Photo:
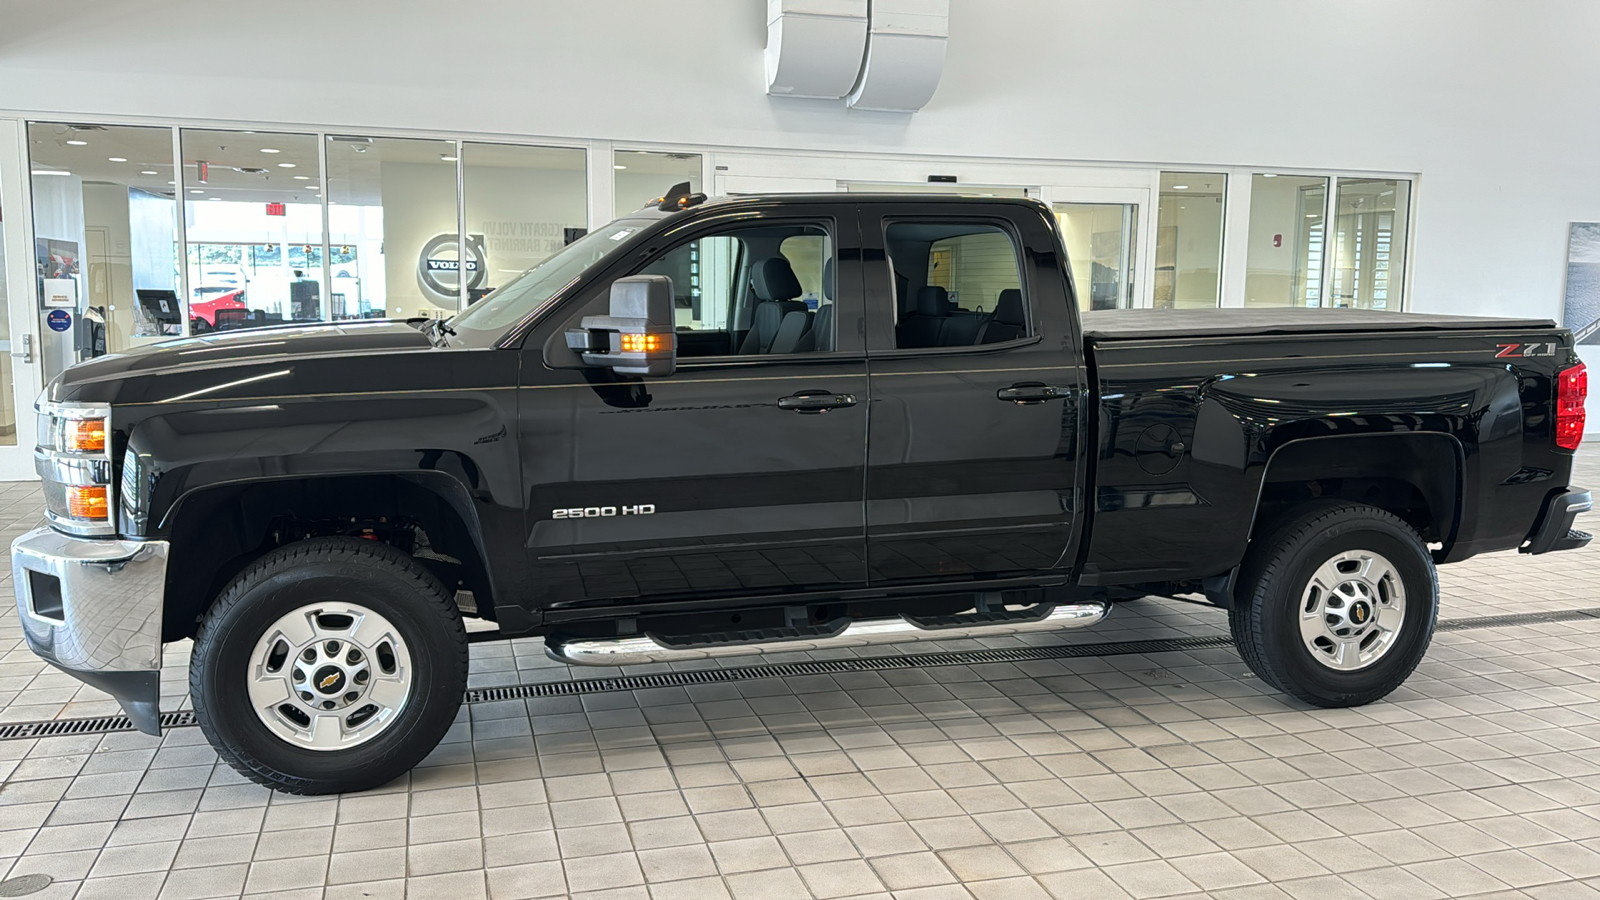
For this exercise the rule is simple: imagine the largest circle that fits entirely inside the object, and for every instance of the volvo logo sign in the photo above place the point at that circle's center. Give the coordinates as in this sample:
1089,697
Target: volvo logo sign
439,268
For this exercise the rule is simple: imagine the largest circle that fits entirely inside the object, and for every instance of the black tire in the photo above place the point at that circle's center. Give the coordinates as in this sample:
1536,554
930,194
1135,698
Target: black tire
1265,618
381,579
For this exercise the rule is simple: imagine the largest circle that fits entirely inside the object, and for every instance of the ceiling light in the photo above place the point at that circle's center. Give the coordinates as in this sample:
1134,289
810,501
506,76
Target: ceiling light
1269,175
447,158
78,143
150,172
285,165
1180,187
50,172
196,191
115,159
302,178
1311,215
213,198
270,150
619,167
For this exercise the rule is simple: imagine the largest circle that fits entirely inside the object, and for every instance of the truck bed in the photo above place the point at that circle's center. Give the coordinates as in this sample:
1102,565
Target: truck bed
1146,324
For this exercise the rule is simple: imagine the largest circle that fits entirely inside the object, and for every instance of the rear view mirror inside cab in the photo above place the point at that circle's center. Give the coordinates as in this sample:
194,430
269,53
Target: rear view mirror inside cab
637,337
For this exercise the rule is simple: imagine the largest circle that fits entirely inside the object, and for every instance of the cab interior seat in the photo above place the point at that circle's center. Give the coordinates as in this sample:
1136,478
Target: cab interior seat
821,337
924,325
777,291
1008,322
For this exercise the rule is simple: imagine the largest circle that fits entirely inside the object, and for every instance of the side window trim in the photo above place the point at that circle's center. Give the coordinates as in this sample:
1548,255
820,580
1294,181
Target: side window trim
1024,282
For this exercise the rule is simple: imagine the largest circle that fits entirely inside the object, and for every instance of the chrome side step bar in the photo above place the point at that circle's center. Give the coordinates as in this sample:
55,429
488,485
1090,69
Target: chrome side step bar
647,648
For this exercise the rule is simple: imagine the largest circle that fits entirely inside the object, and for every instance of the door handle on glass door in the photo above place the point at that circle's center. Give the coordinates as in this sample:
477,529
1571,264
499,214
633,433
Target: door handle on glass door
816,401
1032,393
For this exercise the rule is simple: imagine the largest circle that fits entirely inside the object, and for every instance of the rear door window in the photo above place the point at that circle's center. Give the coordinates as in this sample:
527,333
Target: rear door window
956,284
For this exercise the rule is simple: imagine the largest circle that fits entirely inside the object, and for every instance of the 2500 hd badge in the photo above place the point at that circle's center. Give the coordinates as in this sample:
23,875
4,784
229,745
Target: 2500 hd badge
596,512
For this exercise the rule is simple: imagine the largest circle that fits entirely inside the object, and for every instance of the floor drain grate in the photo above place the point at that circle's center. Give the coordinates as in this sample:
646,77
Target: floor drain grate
837,667
1512,619
95,725
186,718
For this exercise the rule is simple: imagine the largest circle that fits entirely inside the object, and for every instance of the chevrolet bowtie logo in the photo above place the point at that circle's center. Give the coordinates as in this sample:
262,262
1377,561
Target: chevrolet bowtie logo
328,682
1360,615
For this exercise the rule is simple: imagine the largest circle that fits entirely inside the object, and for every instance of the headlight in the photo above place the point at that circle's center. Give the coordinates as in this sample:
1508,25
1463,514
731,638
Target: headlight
74,462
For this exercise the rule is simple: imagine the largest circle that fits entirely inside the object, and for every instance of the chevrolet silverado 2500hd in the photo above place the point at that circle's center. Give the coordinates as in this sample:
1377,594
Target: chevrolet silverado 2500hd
804,421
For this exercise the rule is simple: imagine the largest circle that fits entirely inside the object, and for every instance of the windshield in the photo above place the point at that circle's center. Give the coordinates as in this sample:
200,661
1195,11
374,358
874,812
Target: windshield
531,290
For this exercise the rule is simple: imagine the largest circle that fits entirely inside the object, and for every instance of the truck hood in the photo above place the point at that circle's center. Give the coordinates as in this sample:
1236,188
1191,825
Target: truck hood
255,345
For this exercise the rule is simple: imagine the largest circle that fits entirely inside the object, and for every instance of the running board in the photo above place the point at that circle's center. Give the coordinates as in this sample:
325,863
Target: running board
627,651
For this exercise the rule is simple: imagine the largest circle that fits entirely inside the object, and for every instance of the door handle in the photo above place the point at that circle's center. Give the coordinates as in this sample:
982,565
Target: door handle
1031,393
816,401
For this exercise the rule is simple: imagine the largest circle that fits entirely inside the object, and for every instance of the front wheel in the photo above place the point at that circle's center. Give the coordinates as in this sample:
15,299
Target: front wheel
329,665
1337,606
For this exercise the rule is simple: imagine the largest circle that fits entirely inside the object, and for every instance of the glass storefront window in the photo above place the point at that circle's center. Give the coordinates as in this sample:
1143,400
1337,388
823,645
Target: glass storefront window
1369,243
640,176
253,221
391,227
1189,240
1101,240
1284,265
105,238
522,205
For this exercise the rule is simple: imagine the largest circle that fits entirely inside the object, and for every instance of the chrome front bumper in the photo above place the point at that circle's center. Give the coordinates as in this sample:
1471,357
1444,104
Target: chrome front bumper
92,607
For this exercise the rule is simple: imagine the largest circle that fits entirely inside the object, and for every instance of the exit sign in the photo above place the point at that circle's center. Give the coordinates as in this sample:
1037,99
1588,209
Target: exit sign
274,209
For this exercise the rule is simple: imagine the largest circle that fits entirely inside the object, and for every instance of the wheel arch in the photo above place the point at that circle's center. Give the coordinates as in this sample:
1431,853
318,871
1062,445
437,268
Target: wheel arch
217,530
1415,475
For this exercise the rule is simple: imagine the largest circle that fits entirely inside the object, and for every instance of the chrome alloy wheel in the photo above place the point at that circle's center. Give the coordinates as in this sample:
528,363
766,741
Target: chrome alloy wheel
1352,610
329,676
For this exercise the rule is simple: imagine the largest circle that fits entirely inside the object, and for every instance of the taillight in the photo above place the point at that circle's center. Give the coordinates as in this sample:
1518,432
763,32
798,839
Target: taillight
1572,388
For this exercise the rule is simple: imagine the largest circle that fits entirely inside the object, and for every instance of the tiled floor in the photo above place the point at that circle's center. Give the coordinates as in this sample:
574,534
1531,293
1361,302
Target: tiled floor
1170,775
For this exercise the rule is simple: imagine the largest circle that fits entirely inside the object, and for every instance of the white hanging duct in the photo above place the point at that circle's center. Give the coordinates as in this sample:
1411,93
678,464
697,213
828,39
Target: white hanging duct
905,55
814,47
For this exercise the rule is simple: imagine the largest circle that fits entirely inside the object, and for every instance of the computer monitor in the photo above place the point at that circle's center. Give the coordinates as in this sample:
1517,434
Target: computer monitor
161,306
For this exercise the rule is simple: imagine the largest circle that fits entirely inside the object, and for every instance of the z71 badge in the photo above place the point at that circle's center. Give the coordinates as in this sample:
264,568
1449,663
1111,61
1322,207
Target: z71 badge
599,512
1518,351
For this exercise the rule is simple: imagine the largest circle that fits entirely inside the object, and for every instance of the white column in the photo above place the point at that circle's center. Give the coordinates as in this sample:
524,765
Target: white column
602,184
1235,237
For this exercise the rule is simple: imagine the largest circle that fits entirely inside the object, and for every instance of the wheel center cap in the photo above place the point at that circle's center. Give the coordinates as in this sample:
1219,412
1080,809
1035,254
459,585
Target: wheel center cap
1360,612
328,680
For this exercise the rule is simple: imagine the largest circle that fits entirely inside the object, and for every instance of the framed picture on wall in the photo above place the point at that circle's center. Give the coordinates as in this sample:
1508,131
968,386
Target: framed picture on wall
1581,310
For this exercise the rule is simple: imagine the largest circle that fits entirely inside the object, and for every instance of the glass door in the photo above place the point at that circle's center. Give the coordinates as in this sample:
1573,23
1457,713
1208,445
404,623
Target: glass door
19,300
1102,229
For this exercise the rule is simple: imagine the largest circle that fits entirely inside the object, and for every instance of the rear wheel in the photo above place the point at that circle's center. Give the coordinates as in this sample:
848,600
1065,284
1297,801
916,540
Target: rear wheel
1337,605
329,665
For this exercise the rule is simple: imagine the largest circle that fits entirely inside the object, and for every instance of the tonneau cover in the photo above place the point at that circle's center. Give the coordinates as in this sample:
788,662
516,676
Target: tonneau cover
1136,324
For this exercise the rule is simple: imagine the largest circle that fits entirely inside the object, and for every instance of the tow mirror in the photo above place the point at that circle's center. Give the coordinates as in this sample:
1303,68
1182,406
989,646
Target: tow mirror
637,338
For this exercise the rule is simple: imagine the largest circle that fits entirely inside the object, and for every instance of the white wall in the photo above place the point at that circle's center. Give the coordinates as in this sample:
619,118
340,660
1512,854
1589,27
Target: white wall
1492,102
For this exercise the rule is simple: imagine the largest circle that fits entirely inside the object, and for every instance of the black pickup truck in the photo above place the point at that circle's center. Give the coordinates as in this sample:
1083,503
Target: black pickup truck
714,428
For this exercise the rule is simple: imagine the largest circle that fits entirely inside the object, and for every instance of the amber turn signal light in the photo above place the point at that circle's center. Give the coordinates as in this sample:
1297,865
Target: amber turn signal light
84,436
87,501
641,343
